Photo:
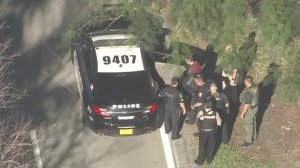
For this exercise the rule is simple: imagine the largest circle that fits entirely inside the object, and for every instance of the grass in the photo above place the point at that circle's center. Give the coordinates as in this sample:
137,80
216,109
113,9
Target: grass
231,157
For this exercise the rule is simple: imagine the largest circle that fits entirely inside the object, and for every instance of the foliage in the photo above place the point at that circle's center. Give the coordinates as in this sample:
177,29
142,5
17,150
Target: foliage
276,25
218,22
143,21
15,146
144,25
234,22
230,156
15,143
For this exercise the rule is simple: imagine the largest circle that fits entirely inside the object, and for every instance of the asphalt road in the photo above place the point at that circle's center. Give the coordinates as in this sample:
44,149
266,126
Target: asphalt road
47,74
44,70
53,101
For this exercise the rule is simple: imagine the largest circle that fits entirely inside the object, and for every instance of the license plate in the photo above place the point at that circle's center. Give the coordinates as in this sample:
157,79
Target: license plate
126,131
125,117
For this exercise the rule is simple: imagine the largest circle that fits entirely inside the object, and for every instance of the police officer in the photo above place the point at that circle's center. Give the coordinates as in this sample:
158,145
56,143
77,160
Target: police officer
198,98
209,119
249,101
221,105
249,49
173,107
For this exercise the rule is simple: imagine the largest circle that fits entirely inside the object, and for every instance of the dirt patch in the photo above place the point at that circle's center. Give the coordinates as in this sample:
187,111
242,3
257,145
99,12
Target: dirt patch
279,135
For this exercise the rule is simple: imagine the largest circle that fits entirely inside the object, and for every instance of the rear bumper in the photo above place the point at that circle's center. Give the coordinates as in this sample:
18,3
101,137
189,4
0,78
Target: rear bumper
116,132
108,127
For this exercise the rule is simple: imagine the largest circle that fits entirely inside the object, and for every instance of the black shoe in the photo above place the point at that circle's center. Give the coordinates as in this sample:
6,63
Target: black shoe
245,144
197,162
189,122
175,137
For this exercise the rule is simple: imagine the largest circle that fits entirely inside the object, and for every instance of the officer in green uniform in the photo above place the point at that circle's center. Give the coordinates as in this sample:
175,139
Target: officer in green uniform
249,101
247,53
249,48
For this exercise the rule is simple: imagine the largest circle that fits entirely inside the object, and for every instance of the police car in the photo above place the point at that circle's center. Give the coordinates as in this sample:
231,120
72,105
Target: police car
119,95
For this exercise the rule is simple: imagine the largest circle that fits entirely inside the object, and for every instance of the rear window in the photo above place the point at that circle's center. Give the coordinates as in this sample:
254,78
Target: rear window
134,85
121,82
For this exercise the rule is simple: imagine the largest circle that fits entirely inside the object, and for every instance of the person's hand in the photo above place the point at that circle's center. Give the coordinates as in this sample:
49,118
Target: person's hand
224,74
197,104
184,111
242,115
233,82
227,110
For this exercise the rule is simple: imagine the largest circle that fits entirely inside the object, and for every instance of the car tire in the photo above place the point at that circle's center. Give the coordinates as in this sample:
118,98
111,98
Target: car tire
160,116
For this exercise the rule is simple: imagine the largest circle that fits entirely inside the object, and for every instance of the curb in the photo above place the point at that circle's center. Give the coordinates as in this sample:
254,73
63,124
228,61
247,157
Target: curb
184,149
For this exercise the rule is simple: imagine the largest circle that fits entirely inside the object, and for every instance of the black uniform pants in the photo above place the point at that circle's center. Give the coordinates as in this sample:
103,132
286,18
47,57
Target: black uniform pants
207,143
172,121
192,115
223,130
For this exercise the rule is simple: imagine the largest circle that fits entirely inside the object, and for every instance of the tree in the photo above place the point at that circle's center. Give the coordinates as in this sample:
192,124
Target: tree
142,19
221,23
15,143
277,30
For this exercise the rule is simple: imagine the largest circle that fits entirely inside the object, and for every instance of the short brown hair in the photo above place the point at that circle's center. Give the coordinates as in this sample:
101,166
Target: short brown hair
249,79
208,104
199,77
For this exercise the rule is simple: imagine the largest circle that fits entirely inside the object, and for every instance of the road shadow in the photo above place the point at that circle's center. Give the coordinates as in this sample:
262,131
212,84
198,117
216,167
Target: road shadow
267,89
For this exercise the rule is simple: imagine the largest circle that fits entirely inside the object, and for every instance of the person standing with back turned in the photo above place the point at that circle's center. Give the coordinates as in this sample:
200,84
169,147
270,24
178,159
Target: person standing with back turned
173,105
209,119
248,110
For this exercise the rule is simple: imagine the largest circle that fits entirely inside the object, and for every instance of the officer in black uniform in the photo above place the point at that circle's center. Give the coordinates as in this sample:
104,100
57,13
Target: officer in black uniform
209,119
221,105
173,106
198,98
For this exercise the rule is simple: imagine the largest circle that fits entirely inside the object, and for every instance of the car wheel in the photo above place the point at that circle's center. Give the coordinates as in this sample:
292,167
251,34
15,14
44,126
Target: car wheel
160,116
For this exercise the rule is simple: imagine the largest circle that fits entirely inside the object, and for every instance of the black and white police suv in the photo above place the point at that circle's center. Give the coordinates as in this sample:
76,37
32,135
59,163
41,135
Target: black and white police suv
119,95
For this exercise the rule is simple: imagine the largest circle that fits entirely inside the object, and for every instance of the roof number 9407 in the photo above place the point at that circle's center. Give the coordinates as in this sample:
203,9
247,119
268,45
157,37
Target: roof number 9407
125,59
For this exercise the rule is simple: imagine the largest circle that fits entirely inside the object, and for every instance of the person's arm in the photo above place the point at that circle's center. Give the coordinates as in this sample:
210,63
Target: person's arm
183,108
244,110
219,120
200,115
226,102
197,105
227,107
181,103
233,79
